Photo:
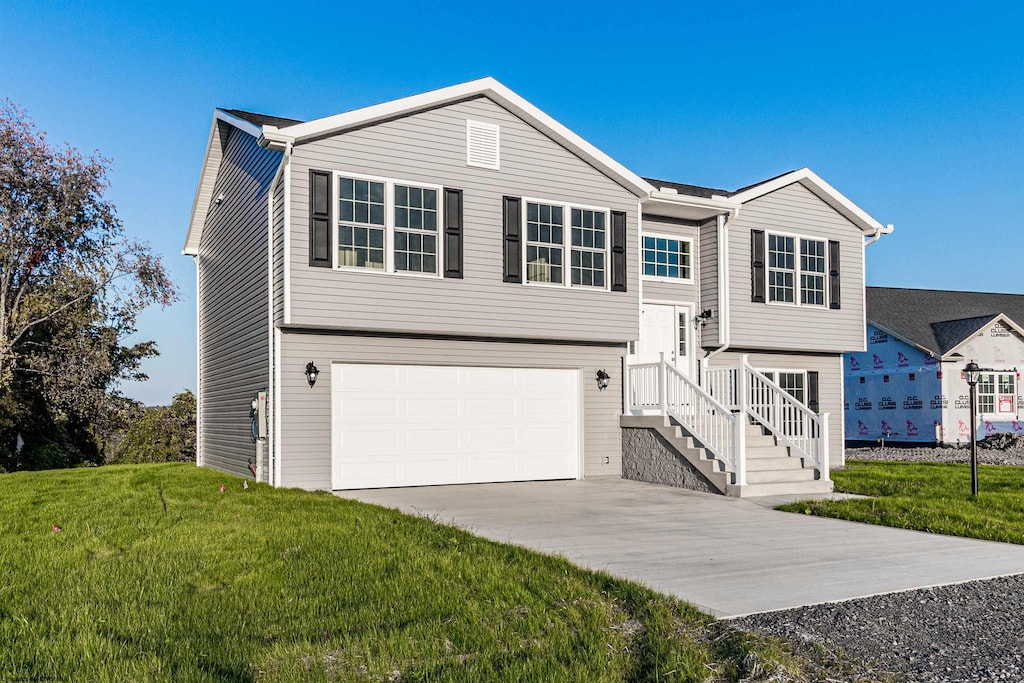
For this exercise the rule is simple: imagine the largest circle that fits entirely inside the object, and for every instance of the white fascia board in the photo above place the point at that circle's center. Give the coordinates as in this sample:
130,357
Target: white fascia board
710,207
1001,317
274,138
211,167
826,192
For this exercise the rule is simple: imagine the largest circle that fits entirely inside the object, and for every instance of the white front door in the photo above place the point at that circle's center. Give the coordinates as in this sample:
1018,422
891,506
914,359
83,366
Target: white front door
666,328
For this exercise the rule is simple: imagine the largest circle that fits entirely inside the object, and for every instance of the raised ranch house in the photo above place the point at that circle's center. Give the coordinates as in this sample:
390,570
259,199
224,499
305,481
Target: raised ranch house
485,297
909,386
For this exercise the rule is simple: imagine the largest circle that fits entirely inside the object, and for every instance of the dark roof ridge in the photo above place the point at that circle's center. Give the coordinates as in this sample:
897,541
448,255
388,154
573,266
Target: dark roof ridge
945,291
261,119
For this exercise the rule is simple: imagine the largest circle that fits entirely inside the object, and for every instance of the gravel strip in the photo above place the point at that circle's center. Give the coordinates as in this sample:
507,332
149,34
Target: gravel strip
986,456
965,632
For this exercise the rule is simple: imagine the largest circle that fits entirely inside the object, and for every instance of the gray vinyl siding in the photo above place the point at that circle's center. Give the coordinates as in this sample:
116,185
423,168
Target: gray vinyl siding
830,386
429,147
796,210
664,289
708,259
232,289
278,242
305,439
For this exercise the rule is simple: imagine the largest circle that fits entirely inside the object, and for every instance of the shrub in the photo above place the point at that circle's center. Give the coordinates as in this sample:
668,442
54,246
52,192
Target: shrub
161,434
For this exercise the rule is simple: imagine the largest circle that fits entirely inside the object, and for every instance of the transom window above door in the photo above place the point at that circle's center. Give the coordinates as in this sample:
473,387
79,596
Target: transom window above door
387,225
667,257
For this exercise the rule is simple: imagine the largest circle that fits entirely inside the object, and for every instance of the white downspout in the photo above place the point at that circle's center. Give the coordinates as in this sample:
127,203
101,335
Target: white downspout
724,335
274,403
879,231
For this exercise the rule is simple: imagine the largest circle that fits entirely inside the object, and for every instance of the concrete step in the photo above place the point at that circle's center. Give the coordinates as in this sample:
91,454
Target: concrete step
780,489
754,429
754,452
787,463
779,476
755,441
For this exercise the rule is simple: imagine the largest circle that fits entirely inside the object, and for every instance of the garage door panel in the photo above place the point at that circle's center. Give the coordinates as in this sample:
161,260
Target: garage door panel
419,425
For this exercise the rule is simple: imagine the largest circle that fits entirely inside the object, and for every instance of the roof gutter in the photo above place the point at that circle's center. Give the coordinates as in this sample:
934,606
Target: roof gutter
879,231
272,138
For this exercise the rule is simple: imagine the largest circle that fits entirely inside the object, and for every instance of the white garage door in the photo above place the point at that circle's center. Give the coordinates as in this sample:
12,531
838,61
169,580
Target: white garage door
413,425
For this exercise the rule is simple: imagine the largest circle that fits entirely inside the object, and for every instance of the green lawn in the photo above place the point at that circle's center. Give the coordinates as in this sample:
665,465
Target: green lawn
933,497
157,575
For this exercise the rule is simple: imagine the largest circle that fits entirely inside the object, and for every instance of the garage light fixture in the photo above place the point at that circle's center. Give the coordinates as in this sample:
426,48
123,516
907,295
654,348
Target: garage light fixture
602,379
311,373
702,318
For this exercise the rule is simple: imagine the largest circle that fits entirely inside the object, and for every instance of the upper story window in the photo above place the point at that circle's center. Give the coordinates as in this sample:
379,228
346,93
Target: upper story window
795,280
548,241
667,257
387,225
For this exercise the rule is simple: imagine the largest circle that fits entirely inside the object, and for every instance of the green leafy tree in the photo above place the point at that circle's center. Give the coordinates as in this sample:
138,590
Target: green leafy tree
161,434
72,284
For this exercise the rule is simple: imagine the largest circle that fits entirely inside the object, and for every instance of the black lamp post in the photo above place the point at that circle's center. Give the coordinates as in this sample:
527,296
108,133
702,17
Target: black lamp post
972,373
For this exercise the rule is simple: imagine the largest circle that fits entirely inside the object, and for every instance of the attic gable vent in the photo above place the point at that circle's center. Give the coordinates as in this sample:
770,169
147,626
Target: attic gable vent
482,144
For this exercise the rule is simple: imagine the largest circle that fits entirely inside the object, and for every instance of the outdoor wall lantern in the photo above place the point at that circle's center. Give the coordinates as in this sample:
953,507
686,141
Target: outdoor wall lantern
702,318
972,373
602,379
311,373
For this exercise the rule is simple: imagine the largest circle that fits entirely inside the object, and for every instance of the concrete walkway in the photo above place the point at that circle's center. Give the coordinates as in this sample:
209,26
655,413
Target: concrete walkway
729,556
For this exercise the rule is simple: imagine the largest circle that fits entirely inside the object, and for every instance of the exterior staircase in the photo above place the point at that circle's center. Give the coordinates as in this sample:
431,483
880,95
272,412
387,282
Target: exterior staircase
770,468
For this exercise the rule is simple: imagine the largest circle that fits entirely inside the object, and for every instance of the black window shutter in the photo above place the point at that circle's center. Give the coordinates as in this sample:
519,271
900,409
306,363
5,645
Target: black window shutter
618,279
812,390
452,233
757,266
320,219
833,274
512,223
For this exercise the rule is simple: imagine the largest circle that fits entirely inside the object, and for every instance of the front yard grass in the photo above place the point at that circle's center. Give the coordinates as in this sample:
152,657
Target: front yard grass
138,573
933,497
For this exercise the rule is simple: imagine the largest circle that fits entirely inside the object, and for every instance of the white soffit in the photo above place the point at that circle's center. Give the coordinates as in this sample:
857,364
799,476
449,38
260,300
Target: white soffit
208,177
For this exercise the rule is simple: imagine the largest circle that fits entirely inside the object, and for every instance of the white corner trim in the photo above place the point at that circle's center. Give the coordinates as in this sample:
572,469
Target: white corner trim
275,469
825,191
287,235
199,375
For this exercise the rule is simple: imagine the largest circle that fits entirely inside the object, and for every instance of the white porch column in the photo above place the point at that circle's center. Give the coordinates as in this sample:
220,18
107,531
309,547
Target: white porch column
742,389
824,460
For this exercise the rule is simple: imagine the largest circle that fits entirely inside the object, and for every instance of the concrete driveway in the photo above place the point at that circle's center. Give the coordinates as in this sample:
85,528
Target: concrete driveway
729,556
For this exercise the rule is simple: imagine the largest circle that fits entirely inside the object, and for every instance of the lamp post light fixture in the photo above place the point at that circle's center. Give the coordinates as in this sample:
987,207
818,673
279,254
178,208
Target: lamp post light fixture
972,373
311,373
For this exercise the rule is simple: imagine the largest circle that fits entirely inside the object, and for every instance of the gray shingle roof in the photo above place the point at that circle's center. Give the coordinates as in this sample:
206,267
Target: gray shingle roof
689,190
937,319
262,119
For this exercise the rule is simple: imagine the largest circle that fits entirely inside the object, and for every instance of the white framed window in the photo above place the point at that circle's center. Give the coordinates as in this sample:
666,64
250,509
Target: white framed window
667,257
387,225
997,394
794,383
791,280
549,245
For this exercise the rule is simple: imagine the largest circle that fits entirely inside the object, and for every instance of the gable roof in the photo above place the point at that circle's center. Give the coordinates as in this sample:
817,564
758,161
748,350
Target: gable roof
823,190
938,320
689,190
278,137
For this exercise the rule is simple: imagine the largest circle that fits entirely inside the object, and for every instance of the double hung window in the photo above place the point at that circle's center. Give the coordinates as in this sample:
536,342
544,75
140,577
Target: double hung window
387,226
793,280
997,394
548,242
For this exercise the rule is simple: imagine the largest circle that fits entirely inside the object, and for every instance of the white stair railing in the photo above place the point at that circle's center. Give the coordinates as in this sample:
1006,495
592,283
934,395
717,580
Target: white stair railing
662,387
721,383
792,423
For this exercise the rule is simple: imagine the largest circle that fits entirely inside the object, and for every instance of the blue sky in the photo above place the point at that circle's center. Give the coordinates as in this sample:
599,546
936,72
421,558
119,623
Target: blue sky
915,111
